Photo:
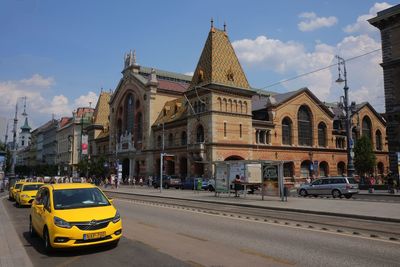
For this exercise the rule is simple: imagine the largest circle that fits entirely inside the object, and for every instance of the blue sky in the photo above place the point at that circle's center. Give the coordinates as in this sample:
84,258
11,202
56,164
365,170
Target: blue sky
61,53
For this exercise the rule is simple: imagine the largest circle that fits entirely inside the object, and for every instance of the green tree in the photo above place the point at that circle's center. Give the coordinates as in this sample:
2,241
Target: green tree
83,167
364,157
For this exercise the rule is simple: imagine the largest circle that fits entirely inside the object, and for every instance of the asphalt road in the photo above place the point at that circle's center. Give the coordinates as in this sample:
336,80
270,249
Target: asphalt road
156,234
130,252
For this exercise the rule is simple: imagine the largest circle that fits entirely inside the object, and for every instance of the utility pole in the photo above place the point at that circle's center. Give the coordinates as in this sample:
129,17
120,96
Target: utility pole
162,159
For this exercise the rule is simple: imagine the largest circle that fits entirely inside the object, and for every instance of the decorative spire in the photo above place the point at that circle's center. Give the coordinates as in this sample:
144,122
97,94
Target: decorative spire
134,57
212,23
130,57
224,26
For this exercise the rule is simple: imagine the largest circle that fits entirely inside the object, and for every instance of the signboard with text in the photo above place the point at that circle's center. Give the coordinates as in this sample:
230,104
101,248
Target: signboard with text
84,145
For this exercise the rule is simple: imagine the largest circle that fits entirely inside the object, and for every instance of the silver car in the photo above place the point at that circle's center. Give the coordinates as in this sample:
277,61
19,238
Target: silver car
335,186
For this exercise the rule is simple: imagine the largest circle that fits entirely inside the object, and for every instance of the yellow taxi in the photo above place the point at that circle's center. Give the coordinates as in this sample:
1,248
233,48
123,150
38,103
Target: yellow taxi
14,189
74,215
27,193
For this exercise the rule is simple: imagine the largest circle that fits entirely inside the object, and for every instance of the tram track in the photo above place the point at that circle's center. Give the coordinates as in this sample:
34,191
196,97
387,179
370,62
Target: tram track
352,226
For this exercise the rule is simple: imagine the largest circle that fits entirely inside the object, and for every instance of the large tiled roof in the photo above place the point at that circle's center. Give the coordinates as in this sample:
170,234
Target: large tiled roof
102,110
218,63
173,86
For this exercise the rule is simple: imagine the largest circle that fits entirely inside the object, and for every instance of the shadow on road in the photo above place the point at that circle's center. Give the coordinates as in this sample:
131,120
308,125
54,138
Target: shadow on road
38,244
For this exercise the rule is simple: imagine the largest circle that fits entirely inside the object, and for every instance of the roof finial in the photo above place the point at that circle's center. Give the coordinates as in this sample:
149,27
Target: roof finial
224,26
134,57
212,23
130,57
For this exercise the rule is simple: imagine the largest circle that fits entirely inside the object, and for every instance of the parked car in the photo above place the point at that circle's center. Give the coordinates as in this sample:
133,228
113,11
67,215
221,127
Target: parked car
191,183
74,215
168,181
14,189
27,193
335,186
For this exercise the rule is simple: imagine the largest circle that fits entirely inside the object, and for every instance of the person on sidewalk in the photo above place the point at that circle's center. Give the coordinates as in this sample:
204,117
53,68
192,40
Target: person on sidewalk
236,184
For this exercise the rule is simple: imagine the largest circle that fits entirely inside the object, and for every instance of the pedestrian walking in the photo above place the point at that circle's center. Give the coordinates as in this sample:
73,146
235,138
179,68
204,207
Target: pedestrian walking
236,184
116,182
141,181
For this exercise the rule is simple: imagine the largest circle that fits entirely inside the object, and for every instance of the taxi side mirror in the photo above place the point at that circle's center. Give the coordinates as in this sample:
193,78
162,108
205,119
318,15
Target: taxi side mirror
111,200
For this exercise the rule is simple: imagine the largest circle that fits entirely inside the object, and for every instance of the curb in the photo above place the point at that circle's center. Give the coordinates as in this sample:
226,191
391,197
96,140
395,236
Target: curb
353,216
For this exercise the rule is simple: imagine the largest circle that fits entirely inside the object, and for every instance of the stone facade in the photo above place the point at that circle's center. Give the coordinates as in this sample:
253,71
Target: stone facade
215,116
388,22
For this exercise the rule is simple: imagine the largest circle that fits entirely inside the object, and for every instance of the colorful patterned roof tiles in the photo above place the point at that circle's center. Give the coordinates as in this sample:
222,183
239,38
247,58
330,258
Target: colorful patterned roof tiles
218,63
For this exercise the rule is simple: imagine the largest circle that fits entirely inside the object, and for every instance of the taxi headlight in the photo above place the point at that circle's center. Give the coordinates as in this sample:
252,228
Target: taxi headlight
116,218
61,223
24,196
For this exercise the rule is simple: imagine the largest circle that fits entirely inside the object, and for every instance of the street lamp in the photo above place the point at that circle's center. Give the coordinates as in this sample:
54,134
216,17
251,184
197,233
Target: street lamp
347,109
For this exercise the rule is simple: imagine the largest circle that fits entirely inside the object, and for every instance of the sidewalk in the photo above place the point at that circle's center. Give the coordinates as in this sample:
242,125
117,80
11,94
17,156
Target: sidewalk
337,207
12,252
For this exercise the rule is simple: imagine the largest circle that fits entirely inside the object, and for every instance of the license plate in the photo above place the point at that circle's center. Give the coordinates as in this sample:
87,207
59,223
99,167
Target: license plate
94,235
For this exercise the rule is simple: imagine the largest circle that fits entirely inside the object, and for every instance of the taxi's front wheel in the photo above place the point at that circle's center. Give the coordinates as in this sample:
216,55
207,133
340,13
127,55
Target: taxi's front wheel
46,237
31,230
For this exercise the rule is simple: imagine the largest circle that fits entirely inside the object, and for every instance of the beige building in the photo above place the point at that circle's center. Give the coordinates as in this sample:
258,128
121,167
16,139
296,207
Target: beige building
216,115
69,140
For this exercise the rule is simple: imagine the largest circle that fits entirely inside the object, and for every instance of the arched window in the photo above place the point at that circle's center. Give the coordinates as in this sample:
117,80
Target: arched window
139,127
322,134
286,131
170,139
341,168
219,101
323,169
183,138
305,168
200,134
367,127
304,126
129,113
380,168
235,106
288,168
245,107
224,105
378,140
119,128
230,105
240,107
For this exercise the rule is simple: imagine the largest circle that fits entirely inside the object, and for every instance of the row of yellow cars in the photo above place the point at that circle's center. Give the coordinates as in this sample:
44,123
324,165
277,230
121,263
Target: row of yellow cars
68,215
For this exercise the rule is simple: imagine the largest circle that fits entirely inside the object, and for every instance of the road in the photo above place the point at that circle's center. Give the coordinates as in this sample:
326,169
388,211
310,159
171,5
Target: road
159,234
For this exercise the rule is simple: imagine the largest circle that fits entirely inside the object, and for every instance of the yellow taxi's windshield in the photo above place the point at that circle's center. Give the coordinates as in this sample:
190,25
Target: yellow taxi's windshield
78,198
17,186
31,187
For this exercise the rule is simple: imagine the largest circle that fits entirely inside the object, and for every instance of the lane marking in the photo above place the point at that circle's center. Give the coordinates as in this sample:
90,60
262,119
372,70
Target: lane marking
192,237
240,218
68,262
262,255
148,225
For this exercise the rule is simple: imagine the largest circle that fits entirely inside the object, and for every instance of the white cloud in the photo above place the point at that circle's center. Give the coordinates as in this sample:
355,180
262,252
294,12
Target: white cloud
312,22
85,100
268,53
362,25
290,59
41,104
38,81
190,73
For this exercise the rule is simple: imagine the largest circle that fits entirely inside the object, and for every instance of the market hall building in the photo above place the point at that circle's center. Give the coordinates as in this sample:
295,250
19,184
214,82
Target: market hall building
216,116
